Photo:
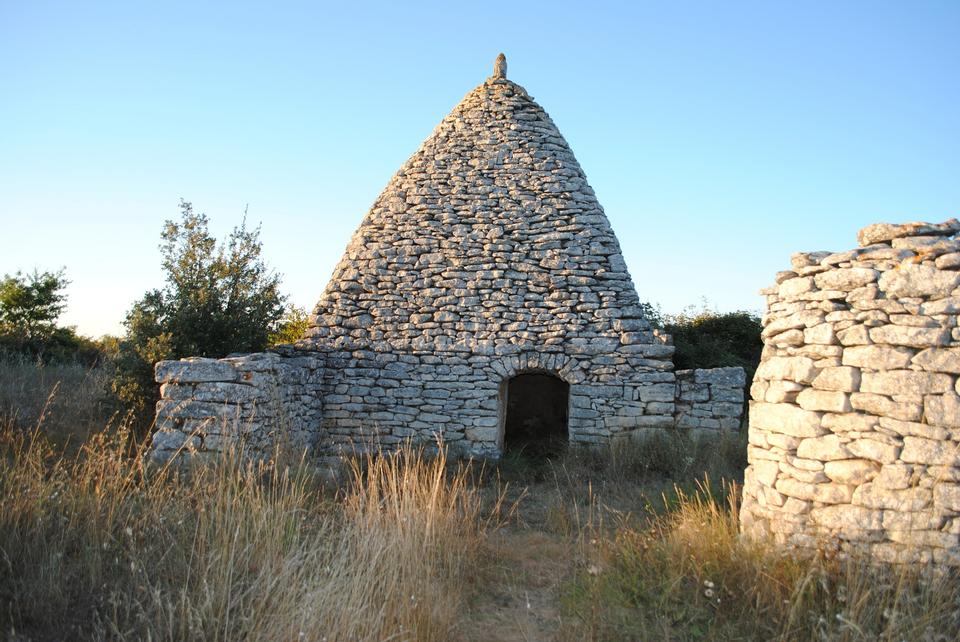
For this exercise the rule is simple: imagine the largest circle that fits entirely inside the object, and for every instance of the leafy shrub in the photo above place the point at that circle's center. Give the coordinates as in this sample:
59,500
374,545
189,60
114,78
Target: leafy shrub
705,338
218,299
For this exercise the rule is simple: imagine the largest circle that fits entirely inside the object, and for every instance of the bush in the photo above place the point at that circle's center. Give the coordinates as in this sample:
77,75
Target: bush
218,299
706,338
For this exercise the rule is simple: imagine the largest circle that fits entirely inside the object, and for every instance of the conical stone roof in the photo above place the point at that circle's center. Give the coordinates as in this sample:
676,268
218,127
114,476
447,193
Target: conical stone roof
488,236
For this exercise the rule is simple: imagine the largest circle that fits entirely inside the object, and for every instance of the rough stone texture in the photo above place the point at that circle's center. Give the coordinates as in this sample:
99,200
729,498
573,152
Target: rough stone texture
256,402
487,255
710,399
865,441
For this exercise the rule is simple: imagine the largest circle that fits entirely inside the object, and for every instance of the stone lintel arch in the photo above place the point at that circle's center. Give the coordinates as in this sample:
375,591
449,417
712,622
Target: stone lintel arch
556,365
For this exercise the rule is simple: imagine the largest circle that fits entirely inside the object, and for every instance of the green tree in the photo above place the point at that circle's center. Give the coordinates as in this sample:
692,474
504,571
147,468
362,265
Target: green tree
292,326
30,304
218,299
705,338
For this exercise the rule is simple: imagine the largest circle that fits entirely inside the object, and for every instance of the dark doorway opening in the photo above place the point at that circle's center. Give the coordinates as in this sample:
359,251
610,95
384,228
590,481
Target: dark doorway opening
536,415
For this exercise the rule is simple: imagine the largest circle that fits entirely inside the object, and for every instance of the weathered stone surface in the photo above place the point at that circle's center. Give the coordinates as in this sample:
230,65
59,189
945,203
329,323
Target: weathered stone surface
810,399
194,370
799,369
938,360
942,410
909,499
845,278
786,419
847,517
855,335
880,232
841,379
917,337
905,382
874,450
912,280
947,496
851,471
824,448
877,357
884,406
917,450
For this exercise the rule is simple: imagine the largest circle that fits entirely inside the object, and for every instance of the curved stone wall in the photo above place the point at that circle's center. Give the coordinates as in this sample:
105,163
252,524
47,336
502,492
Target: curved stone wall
854,438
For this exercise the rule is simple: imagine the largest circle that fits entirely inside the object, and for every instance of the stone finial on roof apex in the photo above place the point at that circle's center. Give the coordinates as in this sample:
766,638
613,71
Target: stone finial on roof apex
500,67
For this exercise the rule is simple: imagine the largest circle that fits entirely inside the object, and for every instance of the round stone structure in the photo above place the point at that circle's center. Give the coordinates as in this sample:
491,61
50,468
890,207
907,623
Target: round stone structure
854,438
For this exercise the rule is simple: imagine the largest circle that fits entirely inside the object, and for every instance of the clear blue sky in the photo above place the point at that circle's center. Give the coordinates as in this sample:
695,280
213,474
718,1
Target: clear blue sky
720,137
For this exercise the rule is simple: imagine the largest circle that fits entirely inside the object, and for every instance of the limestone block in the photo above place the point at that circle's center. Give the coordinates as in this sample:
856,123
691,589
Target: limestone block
905,382
786,419
854,336
810,399
792,287
765,472
730,377
782,391
896,476
841,379
806,476
942,410
847,517
913,428
781,441
828,493
846,422
194,370
909,499
918,538
913,280
938,360
656,392
922,520
917,450
821,334
874,450
845,279
173,440
947,496
917,337
824,448
949,305
877,357
851,471
881,232
948,261
190,409
885,406
799,369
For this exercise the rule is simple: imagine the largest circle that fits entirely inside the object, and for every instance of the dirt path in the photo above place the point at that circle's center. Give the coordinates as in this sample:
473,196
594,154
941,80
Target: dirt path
517,594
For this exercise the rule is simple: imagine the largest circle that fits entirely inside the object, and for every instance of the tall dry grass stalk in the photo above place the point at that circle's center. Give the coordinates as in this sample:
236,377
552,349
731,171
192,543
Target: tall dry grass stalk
689,575
70,401
97,546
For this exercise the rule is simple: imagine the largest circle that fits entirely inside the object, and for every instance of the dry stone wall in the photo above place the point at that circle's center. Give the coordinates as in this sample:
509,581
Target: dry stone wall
253,401
486,256
855,419
710,400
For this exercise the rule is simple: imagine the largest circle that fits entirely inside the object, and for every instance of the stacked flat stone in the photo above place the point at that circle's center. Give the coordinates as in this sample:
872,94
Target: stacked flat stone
486,256
256,402
855,419
710,400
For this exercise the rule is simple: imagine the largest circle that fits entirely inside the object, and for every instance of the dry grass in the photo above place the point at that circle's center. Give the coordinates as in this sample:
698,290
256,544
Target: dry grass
687,575
95,546
617,545
69,401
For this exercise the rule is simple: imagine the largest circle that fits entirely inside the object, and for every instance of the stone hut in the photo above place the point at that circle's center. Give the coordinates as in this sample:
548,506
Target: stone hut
854,439
483,300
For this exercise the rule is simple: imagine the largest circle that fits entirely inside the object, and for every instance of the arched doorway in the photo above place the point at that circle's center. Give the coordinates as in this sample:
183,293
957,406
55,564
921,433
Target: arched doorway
536,413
